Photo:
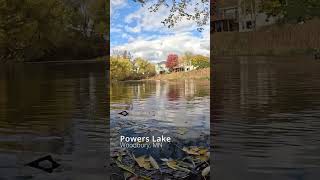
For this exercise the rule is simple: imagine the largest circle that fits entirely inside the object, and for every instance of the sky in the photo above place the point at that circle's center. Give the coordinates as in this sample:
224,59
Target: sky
135,29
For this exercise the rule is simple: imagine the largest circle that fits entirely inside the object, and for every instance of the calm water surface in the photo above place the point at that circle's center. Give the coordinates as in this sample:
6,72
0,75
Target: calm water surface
266,119
178,109
53,109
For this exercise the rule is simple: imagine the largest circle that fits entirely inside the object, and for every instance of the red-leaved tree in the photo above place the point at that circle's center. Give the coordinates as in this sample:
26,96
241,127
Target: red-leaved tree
172,61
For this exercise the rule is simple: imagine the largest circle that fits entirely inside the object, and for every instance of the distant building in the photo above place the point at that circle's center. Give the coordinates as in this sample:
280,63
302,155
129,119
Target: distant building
186,66
239,15
161,68
226,16
250,17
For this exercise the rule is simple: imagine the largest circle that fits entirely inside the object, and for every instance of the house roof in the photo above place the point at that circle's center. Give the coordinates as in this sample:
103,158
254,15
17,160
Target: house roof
162,62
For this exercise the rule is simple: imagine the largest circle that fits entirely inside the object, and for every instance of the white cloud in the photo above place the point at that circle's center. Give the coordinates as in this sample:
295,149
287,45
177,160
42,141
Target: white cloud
164,41
115,30
118,2
115,5
136,29
151,21
158,49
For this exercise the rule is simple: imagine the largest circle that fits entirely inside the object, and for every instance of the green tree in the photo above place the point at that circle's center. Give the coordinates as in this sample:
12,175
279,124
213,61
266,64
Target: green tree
50,29
291,10
120,68
200,61
28,25
273,7
144,68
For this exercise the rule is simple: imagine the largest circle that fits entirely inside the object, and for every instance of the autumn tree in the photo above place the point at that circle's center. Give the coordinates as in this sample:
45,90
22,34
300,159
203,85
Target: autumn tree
172,61
200,61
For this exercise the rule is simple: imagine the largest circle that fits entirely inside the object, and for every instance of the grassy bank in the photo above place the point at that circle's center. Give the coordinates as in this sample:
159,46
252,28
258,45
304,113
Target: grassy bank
195,74
276,40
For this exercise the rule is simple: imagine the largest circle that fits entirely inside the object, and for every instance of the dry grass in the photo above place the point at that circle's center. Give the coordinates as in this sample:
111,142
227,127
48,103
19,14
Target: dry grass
290,39
195,74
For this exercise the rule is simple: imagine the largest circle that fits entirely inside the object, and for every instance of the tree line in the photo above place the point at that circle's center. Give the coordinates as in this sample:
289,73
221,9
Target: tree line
196,60
124,67
38,30
286,11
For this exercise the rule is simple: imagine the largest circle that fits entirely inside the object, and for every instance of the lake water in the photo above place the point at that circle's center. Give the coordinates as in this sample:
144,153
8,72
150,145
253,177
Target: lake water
266,118
179,109
176,109
56,109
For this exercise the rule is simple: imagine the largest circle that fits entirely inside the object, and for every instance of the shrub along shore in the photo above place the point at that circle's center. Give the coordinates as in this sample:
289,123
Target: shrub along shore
195,74
124,68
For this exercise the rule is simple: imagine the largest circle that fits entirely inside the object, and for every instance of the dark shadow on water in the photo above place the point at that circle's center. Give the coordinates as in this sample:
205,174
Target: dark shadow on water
265,122
56,109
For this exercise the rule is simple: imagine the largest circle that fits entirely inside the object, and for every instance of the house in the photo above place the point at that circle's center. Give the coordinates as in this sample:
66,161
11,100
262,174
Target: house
250,17
186,66
226,16
161,67
240,16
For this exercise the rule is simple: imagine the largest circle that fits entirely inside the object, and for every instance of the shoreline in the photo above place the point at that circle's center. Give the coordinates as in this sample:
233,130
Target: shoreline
200,74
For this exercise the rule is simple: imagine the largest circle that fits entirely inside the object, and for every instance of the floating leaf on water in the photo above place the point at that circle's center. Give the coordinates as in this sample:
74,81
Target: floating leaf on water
182,131
174,165
143,162
203,151
120,155
205,171
193,150
145,178
164,159
180,175
127,175
197,160
203,158
189,159
185,164
119,158
124,167
153,162
183,169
